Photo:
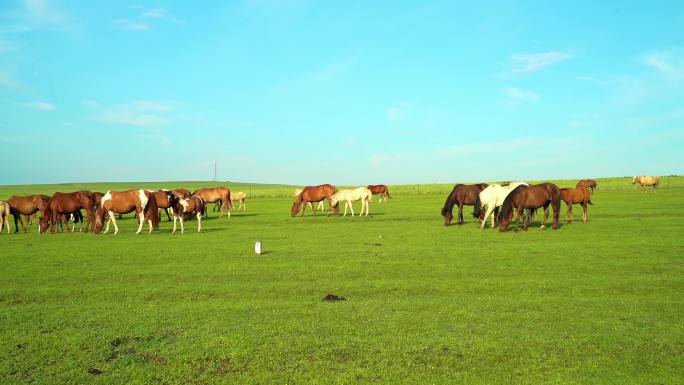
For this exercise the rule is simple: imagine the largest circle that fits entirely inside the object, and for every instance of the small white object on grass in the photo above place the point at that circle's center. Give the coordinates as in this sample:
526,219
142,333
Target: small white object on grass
257,247
380,236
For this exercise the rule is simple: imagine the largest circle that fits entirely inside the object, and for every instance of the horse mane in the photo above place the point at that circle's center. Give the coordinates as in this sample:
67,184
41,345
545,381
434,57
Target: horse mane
449,204
507,206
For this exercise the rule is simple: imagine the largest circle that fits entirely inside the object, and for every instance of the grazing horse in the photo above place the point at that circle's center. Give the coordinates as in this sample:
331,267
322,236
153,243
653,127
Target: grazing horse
64,204
461,195
532,198
587,183
181,192
124,202
214,195
165,200
188,206
313,194
380,189
4,216
240,197
363,194
491,199
298,191
579,195
646,181
25,205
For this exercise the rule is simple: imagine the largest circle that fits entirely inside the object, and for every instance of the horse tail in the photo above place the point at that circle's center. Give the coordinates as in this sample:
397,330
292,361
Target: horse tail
152,212
478,207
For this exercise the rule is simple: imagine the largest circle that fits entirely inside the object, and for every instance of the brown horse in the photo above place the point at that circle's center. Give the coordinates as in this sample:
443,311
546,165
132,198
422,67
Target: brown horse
165,200
530,197
181,192
579,195
461,195
314,194
124,202
213,195
193,205
380,189
25,205
587,183
64,204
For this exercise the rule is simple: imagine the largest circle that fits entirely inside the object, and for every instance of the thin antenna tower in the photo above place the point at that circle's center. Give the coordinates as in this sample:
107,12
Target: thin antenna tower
214,171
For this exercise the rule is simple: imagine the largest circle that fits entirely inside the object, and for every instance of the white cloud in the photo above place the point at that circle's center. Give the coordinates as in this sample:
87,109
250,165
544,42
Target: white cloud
527,63
43,14
516,96
399,112
130,25
40,106
665,63
141,113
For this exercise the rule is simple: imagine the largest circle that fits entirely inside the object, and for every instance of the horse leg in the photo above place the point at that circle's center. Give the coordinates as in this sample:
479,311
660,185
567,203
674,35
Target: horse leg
304,208
351,207
584,212
460,213
199,222
141,218
546,217
174,224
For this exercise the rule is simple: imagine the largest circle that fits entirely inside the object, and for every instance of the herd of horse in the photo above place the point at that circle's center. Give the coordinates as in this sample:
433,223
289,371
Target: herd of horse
497,203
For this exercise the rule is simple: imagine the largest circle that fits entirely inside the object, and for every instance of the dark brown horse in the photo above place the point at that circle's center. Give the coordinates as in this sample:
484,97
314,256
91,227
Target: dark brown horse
314,194
461,195
25,205
587,183
579,195
530,198
165,200
63,205
380,189
124,202
214,195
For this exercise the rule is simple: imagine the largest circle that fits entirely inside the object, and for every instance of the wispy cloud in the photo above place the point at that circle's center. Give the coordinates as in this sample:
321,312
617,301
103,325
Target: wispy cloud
128,25
666,63
141,113
527,63
45,14
161,13
515,96
399,112
39,106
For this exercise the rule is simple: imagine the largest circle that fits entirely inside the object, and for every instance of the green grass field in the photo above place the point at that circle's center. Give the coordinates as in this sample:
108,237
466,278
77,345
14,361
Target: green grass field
426,304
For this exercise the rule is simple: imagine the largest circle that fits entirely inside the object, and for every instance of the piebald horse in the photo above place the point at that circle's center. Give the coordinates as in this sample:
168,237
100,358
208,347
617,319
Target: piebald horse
532,198
579,195
587,183
4,216
490,199
25,205
646,181
363,194
124,202
188,206
313,194
461,195
214,195
380,189
62,205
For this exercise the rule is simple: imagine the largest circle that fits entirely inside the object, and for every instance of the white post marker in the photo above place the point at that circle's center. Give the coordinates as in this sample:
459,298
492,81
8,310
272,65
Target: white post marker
257,247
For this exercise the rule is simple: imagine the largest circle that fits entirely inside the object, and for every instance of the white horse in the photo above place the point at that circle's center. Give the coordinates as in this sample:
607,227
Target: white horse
646,181
298,191
492,197
362,193
4,216
240,197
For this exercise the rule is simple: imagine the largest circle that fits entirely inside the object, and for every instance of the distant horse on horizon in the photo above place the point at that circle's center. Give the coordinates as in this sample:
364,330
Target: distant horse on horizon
461,195
647,181
532,198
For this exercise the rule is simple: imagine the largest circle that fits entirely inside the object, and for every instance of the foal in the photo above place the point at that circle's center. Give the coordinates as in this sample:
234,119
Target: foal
579,195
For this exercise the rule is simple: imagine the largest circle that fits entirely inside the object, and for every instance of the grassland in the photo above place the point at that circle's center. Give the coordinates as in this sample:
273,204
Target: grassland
595,303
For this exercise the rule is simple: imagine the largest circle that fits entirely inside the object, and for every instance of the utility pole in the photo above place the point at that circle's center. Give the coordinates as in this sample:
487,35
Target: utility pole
214,171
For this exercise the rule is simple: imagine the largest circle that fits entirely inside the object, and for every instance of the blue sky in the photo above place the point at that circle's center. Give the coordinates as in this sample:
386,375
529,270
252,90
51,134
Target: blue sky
345,92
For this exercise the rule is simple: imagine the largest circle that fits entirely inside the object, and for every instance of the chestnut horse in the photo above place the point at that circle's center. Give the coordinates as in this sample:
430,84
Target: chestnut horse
188,206
313,194
530,197
124,202
461,195
64,204
587,183
25,205
646,181
181,192
213,195
4,216
380,189
579,195
298,191
165,200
